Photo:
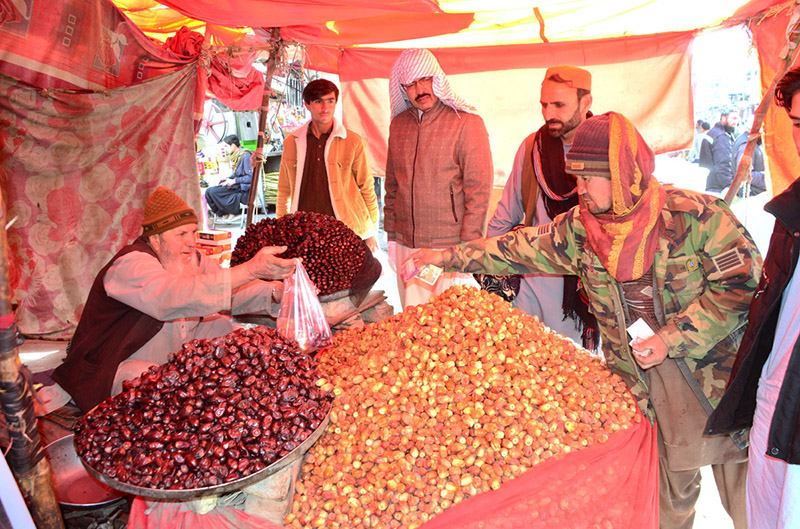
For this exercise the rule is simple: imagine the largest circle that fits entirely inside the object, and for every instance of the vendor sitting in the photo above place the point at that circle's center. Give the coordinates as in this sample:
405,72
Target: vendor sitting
225,199
157,294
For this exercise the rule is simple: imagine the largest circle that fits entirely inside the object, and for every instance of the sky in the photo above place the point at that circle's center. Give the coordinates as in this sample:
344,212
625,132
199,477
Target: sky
723,63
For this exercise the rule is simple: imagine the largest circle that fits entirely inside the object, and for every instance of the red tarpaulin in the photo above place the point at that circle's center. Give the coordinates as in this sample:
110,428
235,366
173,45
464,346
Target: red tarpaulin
76,170
77,44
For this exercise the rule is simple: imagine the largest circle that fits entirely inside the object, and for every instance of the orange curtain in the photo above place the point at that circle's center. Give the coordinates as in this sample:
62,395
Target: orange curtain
645,78
769,37
77,44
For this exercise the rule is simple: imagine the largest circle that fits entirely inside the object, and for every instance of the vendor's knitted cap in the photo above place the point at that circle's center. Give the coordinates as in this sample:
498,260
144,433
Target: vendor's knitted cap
576,77
165,210
589,152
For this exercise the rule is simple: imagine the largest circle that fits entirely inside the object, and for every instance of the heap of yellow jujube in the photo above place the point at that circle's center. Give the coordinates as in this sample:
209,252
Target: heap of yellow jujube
444,401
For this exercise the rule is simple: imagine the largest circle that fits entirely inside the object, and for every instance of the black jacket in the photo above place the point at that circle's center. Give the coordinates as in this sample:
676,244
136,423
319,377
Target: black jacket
736,409
721,174
706,158
757,184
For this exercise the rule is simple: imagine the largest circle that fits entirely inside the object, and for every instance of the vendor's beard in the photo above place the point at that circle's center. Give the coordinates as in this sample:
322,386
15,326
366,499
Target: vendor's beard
178,266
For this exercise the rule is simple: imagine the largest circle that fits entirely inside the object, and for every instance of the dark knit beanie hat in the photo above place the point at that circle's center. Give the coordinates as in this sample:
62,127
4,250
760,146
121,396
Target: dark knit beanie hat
165,210
589,152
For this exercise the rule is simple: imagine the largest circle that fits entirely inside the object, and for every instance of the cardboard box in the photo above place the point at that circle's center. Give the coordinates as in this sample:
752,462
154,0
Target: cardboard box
209,249
221,258
213,236
220,242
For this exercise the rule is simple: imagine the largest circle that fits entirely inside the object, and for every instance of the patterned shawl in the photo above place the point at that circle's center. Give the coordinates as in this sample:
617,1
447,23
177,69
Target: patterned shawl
625,239
415,63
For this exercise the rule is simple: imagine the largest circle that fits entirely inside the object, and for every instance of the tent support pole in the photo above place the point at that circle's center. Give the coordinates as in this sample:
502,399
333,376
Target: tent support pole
25,455
263,132
743,170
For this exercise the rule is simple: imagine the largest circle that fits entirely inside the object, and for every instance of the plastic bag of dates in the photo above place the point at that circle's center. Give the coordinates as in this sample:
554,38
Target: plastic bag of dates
218,410
334,256
301,317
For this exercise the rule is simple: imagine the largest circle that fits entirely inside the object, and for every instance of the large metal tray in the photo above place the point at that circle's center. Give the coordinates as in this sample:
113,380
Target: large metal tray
73,486
224,488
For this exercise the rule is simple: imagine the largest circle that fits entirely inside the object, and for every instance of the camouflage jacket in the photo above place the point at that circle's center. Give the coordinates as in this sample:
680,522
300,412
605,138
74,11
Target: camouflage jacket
706,270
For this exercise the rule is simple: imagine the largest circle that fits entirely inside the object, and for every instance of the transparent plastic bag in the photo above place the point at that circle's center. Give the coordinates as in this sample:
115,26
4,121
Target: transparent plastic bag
301,317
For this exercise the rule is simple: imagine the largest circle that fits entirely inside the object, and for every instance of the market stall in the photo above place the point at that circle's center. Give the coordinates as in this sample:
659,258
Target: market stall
87,140
462,412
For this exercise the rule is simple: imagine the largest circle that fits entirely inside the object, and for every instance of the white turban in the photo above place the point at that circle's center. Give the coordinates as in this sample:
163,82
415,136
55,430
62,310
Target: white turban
413,64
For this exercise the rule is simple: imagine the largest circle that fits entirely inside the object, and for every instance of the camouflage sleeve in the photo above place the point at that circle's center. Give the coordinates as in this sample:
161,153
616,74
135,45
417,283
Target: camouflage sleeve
731,265
548,248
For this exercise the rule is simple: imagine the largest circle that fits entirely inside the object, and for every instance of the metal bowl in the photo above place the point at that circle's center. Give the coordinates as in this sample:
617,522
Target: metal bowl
74,487
223,488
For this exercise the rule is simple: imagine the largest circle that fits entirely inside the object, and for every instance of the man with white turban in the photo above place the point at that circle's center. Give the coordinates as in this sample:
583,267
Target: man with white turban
438,170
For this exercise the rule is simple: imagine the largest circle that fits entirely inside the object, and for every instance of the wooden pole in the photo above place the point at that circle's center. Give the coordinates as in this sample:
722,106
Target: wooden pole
25,456
263,131
743,170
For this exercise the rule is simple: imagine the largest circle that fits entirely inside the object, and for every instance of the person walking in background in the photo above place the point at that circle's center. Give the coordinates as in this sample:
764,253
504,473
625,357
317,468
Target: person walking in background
438,169
721,172
764,390
324,168
757,173
700,137
537,191
225,199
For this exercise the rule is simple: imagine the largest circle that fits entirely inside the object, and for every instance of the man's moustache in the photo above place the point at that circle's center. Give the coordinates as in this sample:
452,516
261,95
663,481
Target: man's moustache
554,121
420,96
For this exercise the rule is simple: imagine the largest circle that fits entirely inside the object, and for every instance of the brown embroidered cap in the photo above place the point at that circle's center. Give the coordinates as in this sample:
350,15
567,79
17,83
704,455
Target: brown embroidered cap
165,210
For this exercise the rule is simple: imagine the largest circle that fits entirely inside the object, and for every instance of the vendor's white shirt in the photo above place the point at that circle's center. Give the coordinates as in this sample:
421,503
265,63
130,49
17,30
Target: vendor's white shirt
773,486
140,280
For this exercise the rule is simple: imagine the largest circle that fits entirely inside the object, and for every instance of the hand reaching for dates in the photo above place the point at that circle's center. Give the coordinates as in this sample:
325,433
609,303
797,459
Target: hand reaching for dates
263,265
332,253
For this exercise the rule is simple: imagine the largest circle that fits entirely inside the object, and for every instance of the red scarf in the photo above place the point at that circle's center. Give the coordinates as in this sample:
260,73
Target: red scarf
625,239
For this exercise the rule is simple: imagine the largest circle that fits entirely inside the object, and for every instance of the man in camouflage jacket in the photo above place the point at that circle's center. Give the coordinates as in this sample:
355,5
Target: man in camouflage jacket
704,297
694,260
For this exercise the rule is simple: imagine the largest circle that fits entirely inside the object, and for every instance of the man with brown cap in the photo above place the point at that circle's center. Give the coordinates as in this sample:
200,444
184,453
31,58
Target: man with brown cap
675,259
156,294
537,191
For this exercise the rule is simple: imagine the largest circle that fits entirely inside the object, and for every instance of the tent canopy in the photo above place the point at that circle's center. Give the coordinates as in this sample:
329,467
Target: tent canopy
442,23
496,50
96,114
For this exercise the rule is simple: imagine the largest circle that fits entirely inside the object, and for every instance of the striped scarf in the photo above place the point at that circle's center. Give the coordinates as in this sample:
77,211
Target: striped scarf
625,239
413,64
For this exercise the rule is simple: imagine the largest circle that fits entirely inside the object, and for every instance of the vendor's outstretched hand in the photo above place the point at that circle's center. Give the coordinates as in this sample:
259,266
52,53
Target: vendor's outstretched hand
423,257
265,265
649,352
